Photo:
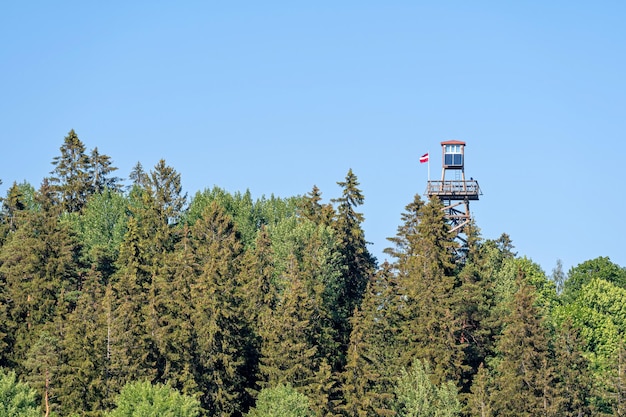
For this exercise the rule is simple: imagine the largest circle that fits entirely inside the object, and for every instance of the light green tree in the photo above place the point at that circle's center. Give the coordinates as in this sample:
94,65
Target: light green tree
17,399
142,399
281,401
417,396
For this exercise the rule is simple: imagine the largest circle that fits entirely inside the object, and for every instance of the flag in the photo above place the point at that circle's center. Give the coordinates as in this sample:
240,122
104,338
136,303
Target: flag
424,158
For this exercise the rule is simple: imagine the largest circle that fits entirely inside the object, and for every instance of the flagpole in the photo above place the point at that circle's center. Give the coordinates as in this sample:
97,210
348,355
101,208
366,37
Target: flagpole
428,166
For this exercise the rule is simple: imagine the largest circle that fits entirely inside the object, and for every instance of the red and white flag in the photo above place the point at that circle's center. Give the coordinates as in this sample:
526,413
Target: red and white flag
424,158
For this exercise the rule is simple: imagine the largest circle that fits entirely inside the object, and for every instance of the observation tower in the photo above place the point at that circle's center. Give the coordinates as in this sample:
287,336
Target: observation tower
455,192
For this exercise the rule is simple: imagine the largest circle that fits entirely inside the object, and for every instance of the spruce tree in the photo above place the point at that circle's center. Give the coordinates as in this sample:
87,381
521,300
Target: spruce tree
358,261
38,264
425,267
368,379
217,315
83,378
524,376
71,178
311,208
100,168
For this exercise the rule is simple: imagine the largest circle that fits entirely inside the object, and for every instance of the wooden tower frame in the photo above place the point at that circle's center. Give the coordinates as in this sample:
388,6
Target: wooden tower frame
455,194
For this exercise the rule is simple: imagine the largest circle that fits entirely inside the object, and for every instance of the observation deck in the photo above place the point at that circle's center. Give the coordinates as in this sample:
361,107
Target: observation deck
454,190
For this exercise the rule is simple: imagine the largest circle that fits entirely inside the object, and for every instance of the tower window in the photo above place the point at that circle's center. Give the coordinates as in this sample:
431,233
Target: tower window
453,155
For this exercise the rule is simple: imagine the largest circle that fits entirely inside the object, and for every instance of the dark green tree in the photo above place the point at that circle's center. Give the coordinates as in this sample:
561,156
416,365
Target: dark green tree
524,377
100,170
217,317
138,176
425,266
600,267
164,185
83,378
311,208
71,174
131,352
369,378
359,262
39,268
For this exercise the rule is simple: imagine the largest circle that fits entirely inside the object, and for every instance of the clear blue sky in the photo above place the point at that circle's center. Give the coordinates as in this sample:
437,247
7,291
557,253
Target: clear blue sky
276,97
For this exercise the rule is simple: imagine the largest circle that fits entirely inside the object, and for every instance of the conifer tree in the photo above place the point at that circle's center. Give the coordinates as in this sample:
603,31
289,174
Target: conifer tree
100,168
37,264
524,377
138,176
175,335
425,265
83,379
164,184
574,386
288,354
42,365
217,315
12,206
368,379
311,208
260,297
71,178
478,401
131,350
359,262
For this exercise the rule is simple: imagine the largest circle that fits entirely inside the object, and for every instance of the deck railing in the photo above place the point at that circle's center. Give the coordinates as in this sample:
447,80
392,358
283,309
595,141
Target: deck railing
454,190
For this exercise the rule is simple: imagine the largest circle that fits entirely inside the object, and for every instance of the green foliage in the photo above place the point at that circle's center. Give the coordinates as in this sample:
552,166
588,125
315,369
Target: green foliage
101,229
600,268
278,300
281,401
142,399
16,398
417,396
248,215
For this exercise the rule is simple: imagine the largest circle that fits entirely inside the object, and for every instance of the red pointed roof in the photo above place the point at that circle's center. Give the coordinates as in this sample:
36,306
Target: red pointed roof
453,142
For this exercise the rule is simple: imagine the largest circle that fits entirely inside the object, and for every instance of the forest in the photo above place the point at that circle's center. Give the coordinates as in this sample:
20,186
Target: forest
127,297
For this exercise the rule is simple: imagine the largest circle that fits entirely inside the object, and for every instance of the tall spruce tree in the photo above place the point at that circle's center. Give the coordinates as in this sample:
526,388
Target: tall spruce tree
359,262
217,315
83,378
100,170
424,248
38,264
71,177
369,377
524,376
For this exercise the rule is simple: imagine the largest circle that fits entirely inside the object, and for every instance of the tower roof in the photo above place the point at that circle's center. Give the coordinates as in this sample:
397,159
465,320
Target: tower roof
453,142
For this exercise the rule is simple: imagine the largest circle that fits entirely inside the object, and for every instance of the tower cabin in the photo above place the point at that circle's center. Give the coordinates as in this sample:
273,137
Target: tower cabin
455,193
453,159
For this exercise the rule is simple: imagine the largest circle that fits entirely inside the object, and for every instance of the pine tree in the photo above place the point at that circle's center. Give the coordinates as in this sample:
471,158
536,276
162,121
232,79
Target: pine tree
138,176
